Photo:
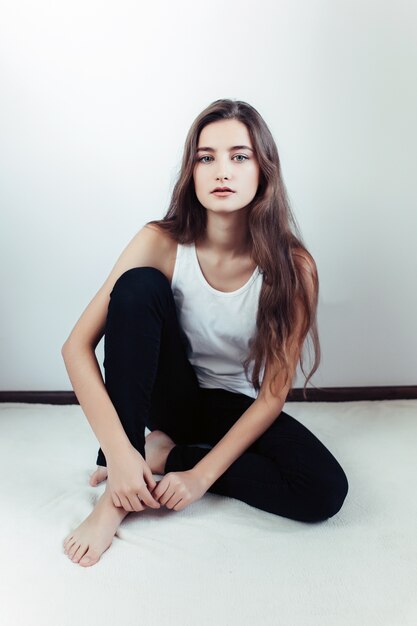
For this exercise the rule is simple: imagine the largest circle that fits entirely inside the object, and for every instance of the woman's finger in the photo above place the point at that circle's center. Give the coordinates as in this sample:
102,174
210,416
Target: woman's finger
116,501
173,500
169,492
178,506
149,479
126,505
141,504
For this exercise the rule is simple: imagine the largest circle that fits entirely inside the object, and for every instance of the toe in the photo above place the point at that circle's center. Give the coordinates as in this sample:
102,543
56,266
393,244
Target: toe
73,549
79,553
98,476
69,547
93,479
89,559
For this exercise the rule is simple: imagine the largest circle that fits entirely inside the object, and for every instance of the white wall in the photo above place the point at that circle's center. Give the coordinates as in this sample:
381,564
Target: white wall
96,100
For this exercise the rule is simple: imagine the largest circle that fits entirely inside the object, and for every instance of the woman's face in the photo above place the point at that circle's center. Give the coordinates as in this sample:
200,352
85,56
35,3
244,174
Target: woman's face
224,165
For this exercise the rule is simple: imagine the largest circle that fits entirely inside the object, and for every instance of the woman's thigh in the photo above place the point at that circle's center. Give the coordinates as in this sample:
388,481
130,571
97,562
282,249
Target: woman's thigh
297,451
175,394
304,462
204,415
219,410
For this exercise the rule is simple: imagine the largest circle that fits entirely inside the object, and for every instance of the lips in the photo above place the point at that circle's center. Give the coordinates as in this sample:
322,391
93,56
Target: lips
222,189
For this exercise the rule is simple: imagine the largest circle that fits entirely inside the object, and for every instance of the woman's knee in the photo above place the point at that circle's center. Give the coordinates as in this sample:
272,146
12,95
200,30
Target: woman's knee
140,281
329,498
141,289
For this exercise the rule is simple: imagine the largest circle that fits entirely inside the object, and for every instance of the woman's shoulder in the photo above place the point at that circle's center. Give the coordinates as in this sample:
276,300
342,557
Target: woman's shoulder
165,235
164,250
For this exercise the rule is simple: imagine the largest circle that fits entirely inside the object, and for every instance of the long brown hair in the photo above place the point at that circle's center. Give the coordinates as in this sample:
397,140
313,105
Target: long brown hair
276,244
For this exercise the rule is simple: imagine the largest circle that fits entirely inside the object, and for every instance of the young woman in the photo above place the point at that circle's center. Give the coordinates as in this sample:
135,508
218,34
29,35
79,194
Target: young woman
204,318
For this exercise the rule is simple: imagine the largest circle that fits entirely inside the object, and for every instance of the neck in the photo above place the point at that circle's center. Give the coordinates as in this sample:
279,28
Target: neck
227,236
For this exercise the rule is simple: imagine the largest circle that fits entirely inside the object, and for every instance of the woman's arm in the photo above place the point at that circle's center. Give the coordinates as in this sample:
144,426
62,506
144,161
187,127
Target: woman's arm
147,248
86,379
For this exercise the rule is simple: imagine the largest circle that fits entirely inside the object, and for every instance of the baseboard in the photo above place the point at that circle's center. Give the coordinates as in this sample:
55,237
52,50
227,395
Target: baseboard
322,394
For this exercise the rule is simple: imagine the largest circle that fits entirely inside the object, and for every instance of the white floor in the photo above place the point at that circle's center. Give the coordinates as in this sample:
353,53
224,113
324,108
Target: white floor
220,562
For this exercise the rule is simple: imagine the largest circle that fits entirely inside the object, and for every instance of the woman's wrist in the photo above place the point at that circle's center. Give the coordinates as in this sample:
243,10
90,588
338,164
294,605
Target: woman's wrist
202,477
117,450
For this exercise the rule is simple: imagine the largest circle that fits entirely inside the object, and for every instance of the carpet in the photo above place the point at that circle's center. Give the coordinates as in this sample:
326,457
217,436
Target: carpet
219,562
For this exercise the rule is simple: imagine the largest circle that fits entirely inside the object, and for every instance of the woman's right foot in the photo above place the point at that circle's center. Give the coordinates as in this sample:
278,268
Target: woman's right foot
98,476
94,535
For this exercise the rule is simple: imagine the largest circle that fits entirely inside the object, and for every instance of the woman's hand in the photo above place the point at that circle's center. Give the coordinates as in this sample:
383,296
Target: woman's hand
177,490
131,481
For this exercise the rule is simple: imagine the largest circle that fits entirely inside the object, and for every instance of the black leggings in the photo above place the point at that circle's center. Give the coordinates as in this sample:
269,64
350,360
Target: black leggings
286,471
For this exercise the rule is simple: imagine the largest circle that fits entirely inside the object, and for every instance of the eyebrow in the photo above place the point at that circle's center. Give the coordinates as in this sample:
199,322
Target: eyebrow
208,149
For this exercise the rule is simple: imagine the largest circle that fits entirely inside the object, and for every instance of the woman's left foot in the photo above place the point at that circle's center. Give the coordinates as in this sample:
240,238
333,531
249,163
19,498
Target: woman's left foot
157,447
98,476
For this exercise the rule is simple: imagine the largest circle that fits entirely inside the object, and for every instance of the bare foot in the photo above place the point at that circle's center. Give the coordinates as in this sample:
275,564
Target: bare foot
157,447
98,476
94,535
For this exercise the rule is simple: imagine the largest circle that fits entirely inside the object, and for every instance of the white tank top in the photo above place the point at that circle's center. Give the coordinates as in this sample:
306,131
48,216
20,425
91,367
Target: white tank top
217,325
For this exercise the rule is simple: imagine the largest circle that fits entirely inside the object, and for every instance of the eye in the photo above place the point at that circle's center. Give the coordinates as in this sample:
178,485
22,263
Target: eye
245,158
242,155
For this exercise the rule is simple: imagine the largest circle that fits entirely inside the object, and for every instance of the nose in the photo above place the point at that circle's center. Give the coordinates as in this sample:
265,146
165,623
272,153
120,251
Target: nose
223,169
